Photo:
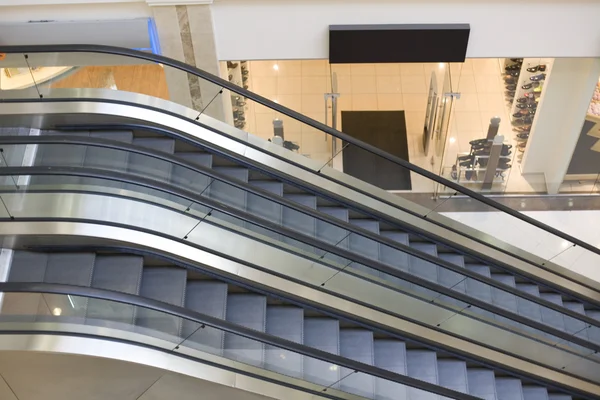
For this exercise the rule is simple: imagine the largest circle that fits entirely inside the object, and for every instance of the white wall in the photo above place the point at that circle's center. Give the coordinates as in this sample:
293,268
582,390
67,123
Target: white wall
287,29
580,224
122,24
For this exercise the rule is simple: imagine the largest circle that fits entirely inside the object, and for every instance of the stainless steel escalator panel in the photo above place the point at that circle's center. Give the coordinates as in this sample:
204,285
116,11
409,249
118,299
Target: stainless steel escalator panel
189,255
233,140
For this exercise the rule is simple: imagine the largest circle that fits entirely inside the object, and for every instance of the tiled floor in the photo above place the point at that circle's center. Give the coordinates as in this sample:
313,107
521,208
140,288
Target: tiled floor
302,84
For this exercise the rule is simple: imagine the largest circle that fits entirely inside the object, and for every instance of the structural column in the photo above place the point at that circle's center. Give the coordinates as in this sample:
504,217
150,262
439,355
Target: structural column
561,112
186,34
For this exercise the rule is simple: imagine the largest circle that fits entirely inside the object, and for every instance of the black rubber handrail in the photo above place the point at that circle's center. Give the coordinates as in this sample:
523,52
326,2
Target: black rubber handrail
113,50
226,326
306,239
122,146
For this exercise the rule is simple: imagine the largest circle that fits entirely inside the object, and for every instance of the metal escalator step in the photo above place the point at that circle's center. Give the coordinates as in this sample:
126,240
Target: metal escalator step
189,179
451,279
559,397
362,245
551,317
102,157
248,310
528,308
25,307
28,267
121,273
394,258
422,365
535,393
332,234
55,155
575,326
228,194
482,383
322,334
453,375
287,323
390,355
594,332
503,299
210,298
509,389
300,222
479,290
164,284
151,167
68,269
357,345
264,208
424,269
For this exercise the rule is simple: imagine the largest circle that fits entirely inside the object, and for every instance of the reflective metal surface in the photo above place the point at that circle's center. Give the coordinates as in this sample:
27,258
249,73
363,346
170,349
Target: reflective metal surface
232,140
151,352
274,261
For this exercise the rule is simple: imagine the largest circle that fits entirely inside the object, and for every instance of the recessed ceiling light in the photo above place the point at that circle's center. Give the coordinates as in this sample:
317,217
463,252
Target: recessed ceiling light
452,139
276,67
57,311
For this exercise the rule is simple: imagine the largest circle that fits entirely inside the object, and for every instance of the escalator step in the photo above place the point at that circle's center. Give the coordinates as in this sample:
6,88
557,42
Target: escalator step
286,323
151,167
551,317
528,308
230,195
208,298
332,234
390,355
478,289
424,269
509,389
167,285
121,273
264,208
248,310
25,307
394,258
357,345
300,222
535,393
453,375
322,334
594,332
451,279
28,267
422,365
503,299
482,383
575,326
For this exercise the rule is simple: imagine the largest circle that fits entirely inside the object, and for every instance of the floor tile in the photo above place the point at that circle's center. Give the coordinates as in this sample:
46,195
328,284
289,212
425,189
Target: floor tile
466,84
364,102
491,102
414,84
488,83
389,84
467,121
390,101
314,85
485,66
415,102
362,69
387,69
467,102
315,68
289,68
266,86
289,85
262,69
364,84
411,68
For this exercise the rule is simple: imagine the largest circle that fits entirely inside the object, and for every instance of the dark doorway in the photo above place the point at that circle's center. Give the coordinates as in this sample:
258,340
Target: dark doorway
385,130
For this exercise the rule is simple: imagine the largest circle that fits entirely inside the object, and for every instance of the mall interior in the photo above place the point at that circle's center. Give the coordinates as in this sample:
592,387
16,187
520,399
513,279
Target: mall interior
260,199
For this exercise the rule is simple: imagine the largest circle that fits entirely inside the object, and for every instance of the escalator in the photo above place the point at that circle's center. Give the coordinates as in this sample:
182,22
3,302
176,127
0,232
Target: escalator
131,172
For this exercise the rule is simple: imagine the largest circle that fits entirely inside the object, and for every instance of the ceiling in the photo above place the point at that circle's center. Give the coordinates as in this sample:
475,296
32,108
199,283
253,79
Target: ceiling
26,375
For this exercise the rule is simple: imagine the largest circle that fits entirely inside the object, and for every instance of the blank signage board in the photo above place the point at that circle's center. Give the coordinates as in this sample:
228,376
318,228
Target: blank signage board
398,43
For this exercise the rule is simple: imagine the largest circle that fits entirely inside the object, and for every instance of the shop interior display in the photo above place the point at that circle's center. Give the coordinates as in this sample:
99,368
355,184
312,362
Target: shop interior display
238,74
471,167
524,81
21,78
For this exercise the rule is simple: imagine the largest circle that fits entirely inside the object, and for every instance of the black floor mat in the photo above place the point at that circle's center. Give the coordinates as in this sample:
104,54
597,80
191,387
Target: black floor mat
385,130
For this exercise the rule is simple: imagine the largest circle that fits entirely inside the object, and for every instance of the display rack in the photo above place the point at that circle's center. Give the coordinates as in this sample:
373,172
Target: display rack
238,73
527,85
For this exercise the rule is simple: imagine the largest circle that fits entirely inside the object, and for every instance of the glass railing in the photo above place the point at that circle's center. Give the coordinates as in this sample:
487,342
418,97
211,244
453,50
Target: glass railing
130,318
99,167
97,67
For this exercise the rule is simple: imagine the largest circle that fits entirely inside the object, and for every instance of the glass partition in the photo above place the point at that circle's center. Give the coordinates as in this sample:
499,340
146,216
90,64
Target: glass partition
200,339
361,89
223,201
